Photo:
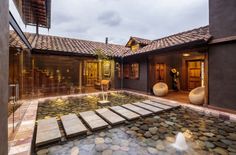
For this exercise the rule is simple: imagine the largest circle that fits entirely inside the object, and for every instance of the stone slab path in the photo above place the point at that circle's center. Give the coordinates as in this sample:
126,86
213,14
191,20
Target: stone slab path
127,114
164,102
147,107
93,120
156,104
72,125
110,116
137,109
47,131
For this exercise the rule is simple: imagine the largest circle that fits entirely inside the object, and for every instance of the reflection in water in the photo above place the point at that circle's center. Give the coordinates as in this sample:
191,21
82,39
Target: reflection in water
58,107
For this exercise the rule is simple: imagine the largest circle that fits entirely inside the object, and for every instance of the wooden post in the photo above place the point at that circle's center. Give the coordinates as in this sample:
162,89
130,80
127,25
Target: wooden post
80,76
4,72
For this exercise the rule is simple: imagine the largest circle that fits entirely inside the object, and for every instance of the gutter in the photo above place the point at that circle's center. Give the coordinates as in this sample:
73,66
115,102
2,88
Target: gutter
18,30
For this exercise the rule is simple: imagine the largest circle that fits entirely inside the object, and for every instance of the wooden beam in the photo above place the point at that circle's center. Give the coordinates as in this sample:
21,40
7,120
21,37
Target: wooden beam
221,40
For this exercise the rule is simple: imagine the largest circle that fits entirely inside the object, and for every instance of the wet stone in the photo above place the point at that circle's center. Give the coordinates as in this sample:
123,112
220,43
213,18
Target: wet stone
156,137
115,147
144,127
134,128
43,152
220,151
203,138
232,136
107,152
87,147
75,151
119,152
208,134
220,144
99,141
102,134
124,148
153,130
227,142
108,140
147,134
232,149
209,145
152,150
101,147
160,147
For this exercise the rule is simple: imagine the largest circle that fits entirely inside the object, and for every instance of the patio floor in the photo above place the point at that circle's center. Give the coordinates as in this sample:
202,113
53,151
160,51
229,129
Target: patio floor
181,96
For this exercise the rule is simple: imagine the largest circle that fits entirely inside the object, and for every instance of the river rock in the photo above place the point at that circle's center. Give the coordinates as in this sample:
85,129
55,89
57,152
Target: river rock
153,130
152,150
147,134
220,151
99,140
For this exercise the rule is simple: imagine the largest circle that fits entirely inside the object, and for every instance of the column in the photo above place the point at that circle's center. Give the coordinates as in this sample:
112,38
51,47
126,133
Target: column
4,67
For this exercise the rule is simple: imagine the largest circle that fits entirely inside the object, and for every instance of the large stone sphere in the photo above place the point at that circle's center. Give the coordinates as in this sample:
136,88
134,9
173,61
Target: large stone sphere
160,89
197,95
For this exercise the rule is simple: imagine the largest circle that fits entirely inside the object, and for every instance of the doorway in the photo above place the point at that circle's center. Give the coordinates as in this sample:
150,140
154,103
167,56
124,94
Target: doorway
195,73
91,73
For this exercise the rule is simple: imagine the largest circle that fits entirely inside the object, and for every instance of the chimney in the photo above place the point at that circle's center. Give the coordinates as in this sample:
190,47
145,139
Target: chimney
222,18
106,41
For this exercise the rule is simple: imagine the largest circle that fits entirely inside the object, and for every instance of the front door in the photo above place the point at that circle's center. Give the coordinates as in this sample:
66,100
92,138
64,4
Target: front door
195,70
92,73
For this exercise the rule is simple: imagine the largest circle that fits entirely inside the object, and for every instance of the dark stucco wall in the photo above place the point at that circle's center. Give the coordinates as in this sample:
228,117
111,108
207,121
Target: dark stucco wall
222,56
222,75
141,83
222,18
4,54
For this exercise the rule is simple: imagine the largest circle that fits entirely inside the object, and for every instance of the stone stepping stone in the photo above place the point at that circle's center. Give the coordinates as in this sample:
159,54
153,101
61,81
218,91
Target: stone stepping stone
167,103
148,107
158,105
110,116
72,125
47,131
127,114
137,109
93,120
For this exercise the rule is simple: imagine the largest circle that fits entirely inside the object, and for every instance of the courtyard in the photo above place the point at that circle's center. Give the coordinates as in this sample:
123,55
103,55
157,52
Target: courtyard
65,92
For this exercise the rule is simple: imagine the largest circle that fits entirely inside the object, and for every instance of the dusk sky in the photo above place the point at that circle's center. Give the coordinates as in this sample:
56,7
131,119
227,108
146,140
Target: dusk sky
120,19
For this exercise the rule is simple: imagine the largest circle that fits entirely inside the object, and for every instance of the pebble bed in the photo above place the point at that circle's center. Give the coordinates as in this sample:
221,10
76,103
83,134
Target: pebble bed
154,135
59,107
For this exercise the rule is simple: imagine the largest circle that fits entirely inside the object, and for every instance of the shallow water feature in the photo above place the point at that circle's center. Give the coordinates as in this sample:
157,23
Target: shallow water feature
59,107
154,135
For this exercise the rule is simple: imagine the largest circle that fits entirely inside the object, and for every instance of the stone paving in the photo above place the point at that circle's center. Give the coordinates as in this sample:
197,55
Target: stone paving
21,141
154,135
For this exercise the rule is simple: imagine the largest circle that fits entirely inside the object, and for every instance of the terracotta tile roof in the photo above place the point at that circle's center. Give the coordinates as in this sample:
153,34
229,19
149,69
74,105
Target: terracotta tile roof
199,34
61,44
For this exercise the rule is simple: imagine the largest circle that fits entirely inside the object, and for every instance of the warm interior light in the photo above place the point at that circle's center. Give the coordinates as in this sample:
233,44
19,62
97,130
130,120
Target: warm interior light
186,54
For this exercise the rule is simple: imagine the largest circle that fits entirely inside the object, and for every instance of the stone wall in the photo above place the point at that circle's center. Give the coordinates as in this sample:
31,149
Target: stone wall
4,54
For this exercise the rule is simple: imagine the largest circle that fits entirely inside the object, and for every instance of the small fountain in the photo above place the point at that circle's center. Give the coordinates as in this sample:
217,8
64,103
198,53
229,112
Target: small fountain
104,101
180,143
